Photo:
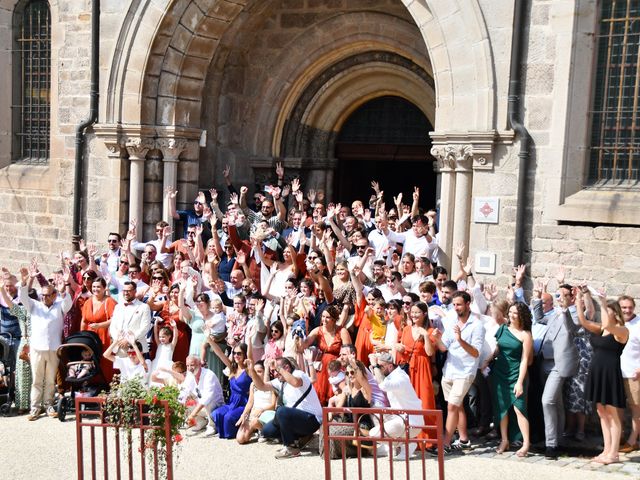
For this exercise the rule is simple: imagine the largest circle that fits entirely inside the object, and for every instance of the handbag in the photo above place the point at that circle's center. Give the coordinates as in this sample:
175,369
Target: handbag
24,354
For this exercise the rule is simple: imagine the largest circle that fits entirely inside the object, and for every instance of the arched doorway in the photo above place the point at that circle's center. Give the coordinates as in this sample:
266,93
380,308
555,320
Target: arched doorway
386,139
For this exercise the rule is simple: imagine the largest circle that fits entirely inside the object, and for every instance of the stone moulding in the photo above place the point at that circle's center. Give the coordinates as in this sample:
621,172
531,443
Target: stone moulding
463,151
138,140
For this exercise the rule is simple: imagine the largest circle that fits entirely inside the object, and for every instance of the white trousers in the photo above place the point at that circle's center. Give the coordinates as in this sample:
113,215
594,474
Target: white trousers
44,365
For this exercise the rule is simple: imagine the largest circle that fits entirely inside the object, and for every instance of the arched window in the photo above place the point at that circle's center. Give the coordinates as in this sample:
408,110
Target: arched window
31,81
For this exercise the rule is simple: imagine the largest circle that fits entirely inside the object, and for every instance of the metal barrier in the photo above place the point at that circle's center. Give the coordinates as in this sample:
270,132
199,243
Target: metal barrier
91,415
360,441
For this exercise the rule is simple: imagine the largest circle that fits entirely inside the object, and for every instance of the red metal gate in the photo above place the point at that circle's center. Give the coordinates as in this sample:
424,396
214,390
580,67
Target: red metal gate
429,434
121,447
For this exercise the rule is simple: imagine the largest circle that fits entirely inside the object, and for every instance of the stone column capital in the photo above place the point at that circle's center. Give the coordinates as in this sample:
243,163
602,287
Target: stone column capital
450,158
464,151
171,148
138,147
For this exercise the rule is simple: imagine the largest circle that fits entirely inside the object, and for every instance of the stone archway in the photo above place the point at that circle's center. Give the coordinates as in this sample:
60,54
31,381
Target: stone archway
166,49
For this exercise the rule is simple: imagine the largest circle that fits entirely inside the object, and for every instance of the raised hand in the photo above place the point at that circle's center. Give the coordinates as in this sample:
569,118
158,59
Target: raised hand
170,192
295,185
468,266
259,305
243,190
376,187
233,198
459,250
311,195
166,231
397,200
241,257
279,170
416,194
490,291
519,273
82,245
286,190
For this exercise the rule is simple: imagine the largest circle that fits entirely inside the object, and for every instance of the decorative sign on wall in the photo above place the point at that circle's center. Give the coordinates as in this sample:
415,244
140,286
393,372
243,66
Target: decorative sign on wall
485,209
485,262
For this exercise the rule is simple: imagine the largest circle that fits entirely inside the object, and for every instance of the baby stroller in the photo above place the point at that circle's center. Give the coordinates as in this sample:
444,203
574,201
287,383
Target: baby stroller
7,377
80,355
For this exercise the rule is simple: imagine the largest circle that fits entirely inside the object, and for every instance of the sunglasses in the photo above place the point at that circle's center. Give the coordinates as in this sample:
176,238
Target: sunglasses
275,330
407,303
113,240
237,354
157,278
351,373
361,247
197,203
123,263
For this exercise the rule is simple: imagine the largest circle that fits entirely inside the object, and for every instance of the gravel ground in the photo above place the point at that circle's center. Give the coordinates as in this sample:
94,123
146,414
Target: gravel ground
46,448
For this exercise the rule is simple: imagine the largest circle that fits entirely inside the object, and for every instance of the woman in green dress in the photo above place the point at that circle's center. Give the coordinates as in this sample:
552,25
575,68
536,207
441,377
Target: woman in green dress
23,367
514,354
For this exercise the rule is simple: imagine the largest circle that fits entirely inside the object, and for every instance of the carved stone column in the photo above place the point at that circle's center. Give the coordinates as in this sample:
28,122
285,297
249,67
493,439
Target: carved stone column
458,155
447,167
171,149
464,183
137,148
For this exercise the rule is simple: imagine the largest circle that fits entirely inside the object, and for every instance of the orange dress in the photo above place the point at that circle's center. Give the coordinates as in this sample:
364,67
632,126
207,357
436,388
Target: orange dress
420,374
419,368
329,353
363,338
104,313
184,332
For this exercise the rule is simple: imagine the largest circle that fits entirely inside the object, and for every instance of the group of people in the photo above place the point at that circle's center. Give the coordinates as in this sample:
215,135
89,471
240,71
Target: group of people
264,313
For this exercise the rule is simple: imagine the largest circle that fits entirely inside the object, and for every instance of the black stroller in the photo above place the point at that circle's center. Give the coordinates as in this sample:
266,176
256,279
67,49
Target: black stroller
80,355
7,375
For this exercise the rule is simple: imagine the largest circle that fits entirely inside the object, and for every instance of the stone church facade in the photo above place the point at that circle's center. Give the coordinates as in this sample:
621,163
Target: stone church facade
278,80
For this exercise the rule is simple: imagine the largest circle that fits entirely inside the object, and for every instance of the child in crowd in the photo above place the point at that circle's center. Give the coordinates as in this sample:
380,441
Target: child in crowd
376,316
166,339
215,327
82,368
134,365
337,380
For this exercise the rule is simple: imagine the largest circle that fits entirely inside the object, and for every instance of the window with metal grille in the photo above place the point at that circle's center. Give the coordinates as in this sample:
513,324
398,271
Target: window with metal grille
32,81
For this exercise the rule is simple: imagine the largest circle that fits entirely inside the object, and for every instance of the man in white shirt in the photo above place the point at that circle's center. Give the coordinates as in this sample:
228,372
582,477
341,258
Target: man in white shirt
46,336
417,240
401,394
630,366
130,316
202,385
463,341
300,413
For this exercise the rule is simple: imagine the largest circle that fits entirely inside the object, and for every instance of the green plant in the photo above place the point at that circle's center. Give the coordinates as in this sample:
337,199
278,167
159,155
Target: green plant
122,410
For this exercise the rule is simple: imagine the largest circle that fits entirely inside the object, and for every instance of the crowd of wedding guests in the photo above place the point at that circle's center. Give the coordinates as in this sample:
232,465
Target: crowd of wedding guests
263,310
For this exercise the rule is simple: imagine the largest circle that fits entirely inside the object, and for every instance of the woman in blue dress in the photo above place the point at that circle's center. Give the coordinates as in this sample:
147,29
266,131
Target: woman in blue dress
227,417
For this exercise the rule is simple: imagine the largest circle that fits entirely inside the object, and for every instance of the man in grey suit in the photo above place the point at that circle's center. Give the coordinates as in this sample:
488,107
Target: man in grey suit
560,359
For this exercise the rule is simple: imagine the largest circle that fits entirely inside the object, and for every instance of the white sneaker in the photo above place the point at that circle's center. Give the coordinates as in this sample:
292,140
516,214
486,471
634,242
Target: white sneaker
382,451
194,431
210,431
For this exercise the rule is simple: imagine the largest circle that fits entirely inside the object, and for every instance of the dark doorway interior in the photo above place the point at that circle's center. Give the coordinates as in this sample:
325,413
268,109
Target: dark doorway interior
386,140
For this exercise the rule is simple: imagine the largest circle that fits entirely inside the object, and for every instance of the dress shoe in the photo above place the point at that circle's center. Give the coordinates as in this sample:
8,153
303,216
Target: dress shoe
551,453
626,448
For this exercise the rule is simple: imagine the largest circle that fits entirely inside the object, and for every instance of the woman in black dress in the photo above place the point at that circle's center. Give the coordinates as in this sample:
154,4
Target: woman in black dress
604,383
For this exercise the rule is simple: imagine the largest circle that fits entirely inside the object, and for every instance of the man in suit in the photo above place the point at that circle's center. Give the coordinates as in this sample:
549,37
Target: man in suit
130,315
560,361
296,230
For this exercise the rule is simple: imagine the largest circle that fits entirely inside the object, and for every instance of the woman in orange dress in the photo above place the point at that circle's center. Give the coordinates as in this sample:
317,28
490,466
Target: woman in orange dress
171,311
330,338
96,317
416,340
363,344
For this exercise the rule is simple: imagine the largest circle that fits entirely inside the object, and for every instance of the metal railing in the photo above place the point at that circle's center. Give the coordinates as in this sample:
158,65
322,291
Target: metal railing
91,416
426,436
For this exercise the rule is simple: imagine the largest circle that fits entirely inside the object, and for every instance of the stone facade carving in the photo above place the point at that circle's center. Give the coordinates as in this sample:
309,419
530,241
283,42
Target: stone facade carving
138,147
453,157
171,148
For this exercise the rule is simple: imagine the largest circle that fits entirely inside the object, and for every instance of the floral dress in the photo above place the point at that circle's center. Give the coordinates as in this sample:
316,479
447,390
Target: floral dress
23,369
574,397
